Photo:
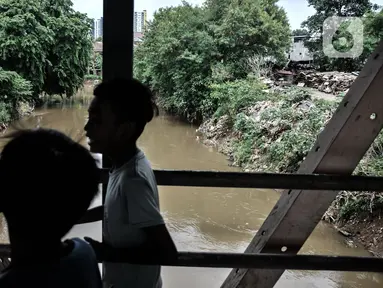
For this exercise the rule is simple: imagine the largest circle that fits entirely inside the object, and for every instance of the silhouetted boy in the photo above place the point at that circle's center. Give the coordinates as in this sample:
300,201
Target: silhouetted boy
47,183
132,219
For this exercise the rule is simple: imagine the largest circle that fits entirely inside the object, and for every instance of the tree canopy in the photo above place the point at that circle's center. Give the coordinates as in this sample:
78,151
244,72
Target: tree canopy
185,46
45,42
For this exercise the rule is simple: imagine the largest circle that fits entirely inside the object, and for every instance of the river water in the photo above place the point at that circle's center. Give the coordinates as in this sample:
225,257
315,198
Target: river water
206,219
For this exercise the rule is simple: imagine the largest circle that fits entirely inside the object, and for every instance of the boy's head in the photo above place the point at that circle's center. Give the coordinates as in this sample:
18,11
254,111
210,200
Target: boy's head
48,182
118,114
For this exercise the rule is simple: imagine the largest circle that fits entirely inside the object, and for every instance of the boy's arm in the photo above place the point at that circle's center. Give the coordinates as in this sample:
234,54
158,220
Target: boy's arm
143,213
159,240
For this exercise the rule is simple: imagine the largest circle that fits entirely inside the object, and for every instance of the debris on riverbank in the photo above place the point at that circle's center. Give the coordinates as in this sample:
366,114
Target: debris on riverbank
332,83
367,232
328,82
275,135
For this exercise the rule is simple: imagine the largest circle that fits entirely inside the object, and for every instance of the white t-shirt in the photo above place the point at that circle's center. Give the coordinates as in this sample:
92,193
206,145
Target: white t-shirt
131,203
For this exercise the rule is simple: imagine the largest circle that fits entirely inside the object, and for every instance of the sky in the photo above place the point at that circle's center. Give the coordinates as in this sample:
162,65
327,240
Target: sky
297,10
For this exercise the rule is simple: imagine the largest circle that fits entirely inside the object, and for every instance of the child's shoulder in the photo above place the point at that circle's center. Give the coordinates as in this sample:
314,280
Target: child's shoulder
67,272
81,249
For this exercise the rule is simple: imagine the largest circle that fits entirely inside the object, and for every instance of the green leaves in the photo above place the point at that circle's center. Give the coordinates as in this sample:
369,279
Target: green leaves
187,48
47,43
13,90
175,59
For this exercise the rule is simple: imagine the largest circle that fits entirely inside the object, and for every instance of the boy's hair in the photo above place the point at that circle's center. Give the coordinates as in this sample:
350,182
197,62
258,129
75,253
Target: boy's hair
129,99
47,177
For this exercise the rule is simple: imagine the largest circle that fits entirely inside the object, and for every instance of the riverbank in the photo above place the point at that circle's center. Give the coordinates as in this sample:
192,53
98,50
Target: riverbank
9,115
274,132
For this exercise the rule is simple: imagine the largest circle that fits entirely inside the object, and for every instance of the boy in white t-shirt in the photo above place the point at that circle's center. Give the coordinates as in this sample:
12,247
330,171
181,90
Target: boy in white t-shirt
132,219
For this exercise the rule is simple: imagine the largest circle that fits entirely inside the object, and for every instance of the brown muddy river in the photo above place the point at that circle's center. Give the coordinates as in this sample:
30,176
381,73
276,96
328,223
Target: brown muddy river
207,219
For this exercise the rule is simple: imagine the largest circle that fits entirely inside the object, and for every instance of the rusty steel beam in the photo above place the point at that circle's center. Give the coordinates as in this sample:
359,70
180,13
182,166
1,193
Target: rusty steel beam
338,150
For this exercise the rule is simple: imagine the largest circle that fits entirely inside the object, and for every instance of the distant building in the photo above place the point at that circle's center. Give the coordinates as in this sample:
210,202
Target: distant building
98,28
298,52
97,47
139,21
92,31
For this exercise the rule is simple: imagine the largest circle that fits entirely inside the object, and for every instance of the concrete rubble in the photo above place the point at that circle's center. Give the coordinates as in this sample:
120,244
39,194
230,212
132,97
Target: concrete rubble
328,82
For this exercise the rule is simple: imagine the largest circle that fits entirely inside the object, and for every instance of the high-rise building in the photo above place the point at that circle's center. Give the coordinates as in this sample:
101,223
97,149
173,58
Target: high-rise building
92,30
98,28
139,21
101,27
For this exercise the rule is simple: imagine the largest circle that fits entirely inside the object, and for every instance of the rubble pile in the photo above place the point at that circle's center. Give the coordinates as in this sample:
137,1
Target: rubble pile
328,82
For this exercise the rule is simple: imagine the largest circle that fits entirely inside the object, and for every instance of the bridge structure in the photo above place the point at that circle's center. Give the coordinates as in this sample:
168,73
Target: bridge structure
307,194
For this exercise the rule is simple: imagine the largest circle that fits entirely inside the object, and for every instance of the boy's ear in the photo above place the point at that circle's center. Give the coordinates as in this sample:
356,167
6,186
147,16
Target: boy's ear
126,130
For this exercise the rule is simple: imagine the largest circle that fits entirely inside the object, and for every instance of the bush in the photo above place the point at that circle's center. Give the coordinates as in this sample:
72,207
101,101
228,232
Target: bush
230,98
5,113
351,204
13,90
276,135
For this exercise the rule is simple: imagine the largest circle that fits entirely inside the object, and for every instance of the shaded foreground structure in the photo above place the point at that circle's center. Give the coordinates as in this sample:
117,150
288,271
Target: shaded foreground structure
307,195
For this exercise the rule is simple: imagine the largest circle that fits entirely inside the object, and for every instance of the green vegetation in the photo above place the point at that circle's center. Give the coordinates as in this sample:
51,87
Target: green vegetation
270,131
273,132
95,66
186,49
373,24
13,90
206,63
280,131
46,50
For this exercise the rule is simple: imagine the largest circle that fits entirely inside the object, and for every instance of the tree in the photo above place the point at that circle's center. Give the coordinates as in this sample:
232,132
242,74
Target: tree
314,24
175,59
373,29
186,47
216,10
251,27
47,43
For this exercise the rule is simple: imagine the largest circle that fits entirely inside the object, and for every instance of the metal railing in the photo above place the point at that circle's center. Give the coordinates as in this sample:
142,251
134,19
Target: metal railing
278,260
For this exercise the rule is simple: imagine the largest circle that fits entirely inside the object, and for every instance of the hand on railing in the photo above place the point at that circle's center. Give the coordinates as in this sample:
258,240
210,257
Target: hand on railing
133,255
